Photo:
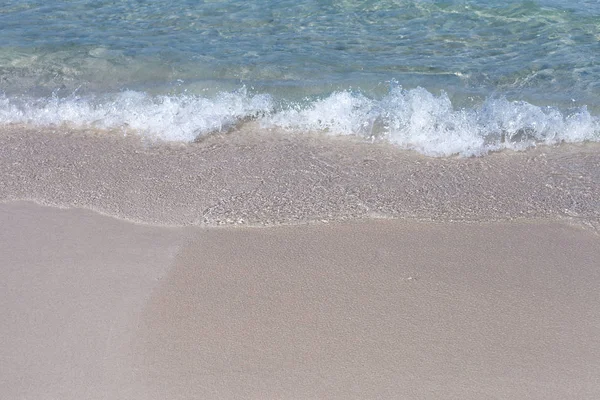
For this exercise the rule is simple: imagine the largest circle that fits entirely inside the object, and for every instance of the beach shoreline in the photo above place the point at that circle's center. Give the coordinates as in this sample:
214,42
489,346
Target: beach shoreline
299,200
264,264
257,176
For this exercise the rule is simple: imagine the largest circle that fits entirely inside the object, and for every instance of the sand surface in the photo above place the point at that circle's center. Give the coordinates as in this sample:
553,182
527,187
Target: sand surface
258,176
92,307
73,285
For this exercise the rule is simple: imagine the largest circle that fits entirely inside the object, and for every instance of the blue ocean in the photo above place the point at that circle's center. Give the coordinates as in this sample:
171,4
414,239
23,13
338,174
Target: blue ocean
454,77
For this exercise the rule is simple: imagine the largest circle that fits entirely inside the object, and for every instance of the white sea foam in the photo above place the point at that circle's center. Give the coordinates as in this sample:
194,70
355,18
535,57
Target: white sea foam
412,119
171,118
417,119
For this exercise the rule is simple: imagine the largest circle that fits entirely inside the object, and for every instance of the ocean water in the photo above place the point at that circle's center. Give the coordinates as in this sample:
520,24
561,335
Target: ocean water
443,78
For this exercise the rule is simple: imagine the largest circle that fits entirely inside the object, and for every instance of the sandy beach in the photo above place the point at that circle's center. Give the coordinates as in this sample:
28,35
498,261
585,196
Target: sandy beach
267,265
99,308
269,177
299,200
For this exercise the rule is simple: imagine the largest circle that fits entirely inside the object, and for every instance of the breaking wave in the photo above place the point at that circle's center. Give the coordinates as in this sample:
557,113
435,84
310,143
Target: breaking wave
411,119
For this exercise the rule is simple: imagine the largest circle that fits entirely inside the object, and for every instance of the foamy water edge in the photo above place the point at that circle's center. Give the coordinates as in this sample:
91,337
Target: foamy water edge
414,119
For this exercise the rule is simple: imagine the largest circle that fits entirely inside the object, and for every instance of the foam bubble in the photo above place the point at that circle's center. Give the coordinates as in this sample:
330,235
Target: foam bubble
171,118
412,119
419,120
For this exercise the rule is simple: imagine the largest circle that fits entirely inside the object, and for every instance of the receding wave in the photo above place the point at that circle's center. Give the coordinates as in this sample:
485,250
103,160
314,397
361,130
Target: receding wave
411,119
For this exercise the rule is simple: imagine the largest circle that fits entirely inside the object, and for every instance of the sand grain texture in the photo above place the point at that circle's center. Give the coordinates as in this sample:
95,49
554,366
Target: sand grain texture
72,286
97,308
382,309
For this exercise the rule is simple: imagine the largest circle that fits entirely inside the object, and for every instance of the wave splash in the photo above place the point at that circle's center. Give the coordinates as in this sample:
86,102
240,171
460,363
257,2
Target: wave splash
417,119
171,118
411,119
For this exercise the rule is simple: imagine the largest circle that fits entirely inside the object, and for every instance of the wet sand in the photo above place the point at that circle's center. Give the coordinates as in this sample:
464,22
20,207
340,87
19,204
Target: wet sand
99,308
260,177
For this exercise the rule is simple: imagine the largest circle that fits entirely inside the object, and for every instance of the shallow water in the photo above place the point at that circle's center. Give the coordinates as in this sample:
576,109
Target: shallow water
439,77
257,177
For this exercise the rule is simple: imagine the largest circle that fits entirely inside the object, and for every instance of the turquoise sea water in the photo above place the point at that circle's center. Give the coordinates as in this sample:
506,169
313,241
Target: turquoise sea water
440,77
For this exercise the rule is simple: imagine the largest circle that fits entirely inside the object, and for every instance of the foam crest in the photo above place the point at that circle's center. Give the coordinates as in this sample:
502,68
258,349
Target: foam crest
411,119
419,120
171,118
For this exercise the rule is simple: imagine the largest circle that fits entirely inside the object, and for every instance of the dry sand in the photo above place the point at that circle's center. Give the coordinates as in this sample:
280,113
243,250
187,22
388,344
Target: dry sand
93,307
73,285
